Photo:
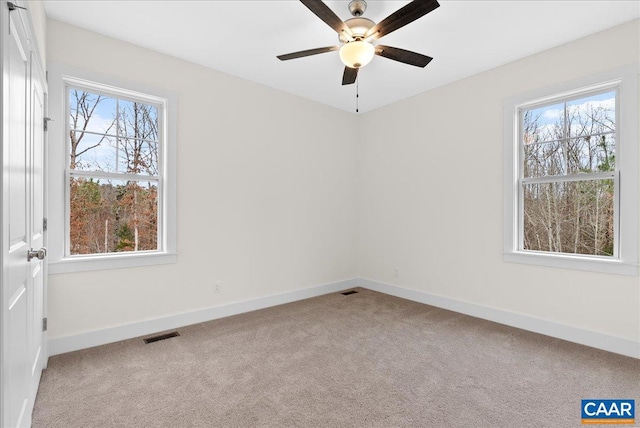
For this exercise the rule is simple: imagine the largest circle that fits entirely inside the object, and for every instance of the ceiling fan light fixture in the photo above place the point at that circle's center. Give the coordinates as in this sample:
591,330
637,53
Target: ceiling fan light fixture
357,54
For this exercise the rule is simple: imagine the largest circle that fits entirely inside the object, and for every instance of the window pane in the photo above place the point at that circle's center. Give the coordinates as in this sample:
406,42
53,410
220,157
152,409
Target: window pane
591,115
592,153
543,124
92,112
588,147
544,159
90,152
138,120
138,157
570,217
110,216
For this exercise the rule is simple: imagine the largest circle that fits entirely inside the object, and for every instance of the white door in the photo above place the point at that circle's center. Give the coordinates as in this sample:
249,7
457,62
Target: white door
23,280
36,173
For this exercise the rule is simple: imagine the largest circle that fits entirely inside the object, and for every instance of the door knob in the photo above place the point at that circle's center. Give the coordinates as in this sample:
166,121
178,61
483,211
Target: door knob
39,254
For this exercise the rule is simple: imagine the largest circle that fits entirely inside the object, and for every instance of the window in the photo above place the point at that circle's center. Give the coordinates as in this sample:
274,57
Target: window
118,208
114,172
571,176
568,178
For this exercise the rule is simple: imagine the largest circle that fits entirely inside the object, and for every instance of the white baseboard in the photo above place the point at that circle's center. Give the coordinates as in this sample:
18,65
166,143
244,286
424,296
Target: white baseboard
617,345
61,345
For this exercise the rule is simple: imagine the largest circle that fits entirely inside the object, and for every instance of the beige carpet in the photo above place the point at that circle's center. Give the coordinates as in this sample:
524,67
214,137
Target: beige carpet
364,360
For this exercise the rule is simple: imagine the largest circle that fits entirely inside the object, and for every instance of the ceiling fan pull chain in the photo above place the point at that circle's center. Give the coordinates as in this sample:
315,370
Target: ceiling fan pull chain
357,94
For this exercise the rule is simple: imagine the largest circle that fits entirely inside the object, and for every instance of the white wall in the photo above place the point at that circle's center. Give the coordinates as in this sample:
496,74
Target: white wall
266,193
431,195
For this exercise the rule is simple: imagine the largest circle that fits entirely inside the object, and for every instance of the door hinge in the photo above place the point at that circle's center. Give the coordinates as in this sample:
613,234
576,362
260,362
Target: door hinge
44,224
46,123
13,6
44,324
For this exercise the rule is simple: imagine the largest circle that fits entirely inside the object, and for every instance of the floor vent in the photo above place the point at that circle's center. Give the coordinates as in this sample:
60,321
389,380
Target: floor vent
161,337
346,293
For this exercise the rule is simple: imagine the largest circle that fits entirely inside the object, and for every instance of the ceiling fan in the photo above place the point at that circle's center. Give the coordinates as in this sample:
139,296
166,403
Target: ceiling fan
358,34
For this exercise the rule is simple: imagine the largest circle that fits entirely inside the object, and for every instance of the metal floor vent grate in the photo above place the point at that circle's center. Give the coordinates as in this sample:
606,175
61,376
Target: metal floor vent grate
346,293
161,337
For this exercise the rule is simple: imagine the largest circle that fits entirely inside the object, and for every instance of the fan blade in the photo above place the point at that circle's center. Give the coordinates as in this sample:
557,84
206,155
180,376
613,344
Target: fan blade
401,55
403,16
308,52
323,12
349,76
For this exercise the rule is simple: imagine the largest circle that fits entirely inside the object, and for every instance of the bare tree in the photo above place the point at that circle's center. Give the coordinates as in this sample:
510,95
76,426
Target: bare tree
85,105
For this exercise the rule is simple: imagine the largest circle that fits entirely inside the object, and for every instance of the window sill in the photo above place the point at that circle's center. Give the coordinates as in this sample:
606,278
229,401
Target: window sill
586,263
112,261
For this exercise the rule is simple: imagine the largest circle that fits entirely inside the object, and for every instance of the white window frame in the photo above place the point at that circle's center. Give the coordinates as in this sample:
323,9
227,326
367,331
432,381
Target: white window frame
60,261
625,259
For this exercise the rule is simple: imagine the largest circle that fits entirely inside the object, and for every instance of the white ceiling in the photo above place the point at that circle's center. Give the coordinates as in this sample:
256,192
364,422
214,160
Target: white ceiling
242,38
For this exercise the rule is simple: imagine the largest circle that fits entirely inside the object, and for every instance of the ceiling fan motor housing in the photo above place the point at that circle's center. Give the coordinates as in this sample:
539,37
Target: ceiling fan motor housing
359,27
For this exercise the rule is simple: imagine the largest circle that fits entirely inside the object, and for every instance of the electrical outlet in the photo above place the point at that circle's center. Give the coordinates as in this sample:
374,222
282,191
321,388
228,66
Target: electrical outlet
396,272
217,286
